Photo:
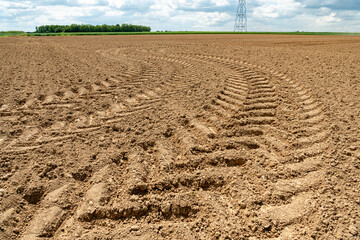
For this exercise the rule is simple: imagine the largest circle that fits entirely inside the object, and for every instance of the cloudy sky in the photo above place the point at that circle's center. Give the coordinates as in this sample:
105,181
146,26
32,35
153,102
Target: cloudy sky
263,15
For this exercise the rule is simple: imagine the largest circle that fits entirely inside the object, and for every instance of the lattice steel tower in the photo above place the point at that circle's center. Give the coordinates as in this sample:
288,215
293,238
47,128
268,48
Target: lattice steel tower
241,19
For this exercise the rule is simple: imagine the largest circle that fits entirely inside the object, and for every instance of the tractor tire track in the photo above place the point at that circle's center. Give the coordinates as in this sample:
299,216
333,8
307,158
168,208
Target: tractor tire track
259,109
92,124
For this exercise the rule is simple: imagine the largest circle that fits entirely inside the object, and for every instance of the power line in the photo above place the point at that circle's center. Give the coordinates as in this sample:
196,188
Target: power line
241,18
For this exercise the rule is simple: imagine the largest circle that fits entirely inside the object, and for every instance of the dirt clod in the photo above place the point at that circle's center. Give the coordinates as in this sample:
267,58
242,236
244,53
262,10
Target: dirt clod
34,194
82,174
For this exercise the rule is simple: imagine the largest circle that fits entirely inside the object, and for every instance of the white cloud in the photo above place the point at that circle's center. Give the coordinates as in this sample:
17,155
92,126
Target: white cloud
161,10
198,4
276,8
88,2
65,13
114,13
116,3
201,20
219,3
331,18
12,4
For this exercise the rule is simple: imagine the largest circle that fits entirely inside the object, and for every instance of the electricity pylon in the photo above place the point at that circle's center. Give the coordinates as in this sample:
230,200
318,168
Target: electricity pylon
241,19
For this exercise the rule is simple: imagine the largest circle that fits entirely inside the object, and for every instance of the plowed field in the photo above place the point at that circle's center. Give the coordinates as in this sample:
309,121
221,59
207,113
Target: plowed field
180,137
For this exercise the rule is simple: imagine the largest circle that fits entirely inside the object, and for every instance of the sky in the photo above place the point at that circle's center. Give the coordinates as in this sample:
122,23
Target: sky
185,15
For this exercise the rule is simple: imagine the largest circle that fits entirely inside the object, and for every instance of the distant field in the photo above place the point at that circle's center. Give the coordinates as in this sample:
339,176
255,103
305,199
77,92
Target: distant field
11,33
176,32
186,32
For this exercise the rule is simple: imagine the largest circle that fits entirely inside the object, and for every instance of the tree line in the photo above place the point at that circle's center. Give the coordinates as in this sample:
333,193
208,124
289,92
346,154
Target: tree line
92,28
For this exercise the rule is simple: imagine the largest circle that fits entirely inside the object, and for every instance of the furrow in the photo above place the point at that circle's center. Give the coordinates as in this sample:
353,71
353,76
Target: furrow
262,113
120,116
261,95
237,91
262,91
236,88
219,110
259,121
311,140
257,100
260,106
230,100
227,106
312,113
234,95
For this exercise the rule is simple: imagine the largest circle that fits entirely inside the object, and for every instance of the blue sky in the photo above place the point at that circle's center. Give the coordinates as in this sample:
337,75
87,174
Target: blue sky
213,15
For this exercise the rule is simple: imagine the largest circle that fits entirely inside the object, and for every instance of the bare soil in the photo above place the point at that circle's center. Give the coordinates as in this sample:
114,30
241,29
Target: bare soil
180,137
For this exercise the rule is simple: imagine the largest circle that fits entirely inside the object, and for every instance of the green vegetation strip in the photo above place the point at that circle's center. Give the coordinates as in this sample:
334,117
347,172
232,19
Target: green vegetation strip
11,33
169,32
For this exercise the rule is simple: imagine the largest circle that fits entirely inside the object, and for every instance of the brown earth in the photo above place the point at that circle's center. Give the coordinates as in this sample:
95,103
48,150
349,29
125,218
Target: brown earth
180,137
